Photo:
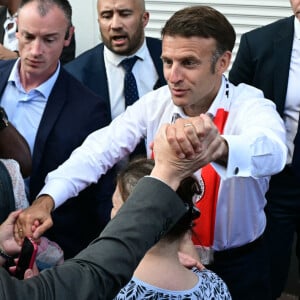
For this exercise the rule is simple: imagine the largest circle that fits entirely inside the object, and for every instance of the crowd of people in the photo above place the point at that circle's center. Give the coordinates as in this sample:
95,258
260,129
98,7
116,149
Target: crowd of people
211,186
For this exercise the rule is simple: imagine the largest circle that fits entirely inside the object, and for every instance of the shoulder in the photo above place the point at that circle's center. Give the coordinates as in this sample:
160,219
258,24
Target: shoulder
246,98
79,100
74,87
154,45
211,285
153,41
269,29
243,91
87,57
4,64
157,99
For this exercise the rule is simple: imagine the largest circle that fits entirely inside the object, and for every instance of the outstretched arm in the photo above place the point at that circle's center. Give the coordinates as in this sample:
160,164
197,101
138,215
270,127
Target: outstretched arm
109,262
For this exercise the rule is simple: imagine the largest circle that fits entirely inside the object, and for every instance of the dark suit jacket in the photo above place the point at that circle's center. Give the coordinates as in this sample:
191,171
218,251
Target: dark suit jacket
7,199
108,263
263,60
89,68
71,113
68,53
2,20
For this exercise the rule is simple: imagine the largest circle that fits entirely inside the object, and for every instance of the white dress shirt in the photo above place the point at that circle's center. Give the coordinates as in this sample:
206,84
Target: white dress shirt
143,70
292,102
256,138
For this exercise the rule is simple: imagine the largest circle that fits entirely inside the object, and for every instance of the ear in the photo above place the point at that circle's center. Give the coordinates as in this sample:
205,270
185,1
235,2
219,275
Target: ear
145,18
223,62
69,35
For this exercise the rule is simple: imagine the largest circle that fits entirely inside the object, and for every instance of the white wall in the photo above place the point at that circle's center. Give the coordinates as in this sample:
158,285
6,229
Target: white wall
244,15
86,25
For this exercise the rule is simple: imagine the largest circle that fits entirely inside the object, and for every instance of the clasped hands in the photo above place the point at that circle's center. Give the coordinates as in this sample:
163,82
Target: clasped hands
179,150
184,147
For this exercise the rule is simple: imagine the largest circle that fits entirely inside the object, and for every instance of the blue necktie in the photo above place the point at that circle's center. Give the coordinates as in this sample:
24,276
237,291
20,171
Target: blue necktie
296,155
130,87
131,95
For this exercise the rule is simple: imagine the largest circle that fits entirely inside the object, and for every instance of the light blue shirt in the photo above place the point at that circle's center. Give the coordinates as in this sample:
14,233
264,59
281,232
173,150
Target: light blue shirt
25,109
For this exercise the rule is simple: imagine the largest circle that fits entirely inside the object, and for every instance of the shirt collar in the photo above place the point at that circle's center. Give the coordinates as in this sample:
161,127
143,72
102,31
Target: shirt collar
116,59
45,88
297,28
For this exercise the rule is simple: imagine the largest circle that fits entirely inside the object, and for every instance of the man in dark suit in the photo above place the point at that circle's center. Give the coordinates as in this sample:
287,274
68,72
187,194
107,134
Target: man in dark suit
121,24
54,112
9,11
108,263
268,58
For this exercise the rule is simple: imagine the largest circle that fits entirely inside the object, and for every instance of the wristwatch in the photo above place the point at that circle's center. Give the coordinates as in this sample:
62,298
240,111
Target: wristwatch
3,118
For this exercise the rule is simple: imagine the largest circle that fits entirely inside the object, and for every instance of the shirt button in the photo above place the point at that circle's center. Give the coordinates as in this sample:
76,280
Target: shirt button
236,171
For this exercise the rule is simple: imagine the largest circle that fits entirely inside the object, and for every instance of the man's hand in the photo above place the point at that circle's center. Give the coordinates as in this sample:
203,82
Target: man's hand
7,241
198,137
6,53
29,273
35,219
182,148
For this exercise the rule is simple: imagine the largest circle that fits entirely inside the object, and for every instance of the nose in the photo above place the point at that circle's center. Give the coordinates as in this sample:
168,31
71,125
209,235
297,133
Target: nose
116,22
37,47
174,73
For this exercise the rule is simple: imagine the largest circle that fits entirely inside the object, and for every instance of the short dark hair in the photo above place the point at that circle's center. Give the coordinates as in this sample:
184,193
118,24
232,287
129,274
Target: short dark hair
202,21
45,5
140,167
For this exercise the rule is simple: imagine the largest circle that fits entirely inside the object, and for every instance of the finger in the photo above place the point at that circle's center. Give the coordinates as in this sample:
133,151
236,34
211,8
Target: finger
199,265
39,231
186,137
193,132
12,217
173,142
22,228
207,126
28,274
12,270
209,131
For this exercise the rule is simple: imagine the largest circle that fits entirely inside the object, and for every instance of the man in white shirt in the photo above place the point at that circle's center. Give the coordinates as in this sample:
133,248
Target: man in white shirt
239,148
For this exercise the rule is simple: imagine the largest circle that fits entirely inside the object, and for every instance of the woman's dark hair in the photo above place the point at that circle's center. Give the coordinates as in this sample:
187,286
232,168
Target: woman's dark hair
140,167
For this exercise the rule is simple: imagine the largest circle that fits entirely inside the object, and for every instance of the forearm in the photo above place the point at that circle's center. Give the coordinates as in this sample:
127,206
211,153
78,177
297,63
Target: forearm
151,210
252,157
109,262
93,158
